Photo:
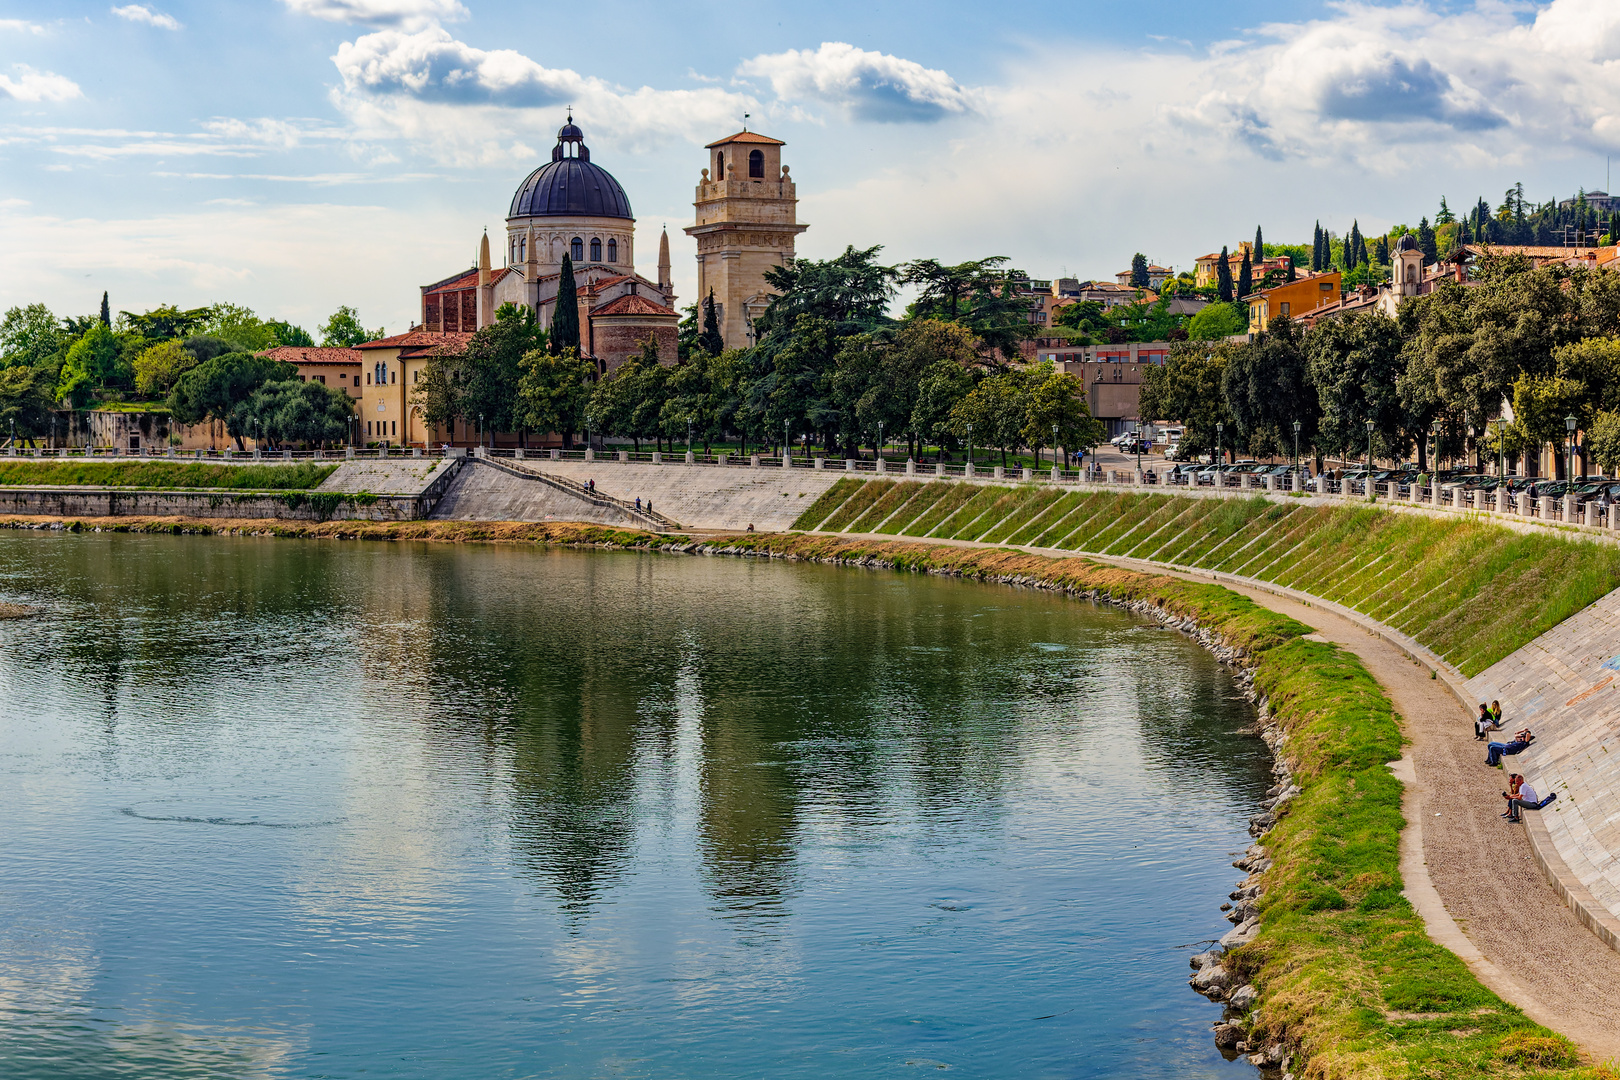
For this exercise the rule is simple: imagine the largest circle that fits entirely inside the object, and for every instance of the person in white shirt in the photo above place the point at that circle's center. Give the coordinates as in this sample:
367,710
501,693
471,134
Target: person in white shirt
1524,799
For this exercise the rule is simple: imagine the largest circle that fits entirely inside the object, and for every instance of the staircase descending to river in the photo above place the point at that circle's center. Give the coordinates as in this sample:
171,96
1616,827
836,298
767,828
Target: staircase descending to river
489,489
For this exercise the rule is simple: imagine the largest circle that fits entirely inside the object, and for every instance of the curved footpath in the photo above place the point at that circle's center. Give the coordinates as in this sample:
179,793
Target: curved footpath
1472,876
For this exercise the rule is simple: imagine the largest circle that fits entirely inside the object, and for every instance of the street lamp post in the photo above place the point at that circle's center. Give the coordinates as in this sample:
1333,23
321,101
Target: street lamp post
1054,446
1569,449
970,444
1369,480
1220,454
880,441
688,434
1296,448
787,447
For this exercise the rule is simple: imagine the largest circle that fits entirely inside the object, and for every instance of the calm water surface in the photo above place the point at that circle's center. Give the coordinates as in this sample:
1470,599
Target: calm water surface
306,809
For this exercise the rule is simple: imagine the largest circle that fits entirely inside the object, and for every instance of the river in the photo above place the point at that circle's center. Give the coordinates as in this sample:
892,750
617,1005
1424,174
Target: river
277,809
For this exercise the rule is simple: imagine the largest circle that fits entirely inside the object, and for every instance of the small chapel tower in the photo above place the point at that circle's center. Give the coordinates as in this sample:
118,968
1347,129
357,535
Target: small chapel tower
747,219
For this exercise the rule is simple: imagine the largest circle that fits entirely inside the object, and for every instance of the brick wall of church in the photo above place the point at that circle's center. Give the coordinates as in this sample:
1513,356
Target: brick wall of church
616,344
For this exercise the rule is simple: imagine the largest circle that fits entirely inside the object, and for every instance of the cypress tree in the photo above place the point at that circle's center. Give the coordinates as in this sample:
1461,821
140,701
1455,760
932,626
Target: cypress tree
1426,242
106,313
710,340
565,316
1352,245
1245,282
1259,247
1293,271
1316,250
1223,277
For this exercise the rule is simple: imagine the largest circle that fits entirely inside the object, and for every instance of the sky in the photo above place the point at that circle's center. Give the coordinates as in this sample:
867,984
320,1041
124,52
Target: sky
295,155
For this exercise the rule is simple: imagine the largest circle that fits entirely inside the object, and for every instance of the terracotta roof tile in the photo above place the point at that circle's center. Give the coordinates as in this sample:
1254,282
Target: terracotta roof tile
311,354
417,339
632,304
469,280
746,137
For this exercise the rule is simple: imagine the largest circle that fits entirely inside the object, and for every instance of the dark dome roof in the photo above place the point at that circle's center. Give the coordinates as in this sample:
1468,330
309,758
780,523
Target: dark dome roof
1407,242
569,185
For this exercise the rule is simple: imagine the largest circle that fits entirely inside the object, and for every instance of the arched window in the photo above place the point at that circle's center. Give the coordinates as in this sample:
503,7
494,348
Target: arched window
613,251
756,165
719,164
596,249
523,249
577,249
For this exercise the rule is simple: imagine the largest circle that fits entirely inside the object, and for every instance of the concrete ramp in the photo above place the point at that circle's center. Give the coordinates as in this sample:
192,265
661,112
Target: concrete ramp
706,496
482,491
387,476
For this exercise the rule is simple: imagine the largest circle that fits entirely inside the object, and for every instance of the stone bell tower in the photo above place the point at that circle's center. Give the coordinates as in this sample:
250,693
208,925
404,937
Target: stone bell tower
747,219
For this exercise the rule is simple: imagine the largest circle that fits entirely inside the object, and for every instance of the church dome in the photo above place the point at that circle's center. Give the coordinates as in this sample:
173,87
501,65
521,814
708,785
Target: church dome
569,185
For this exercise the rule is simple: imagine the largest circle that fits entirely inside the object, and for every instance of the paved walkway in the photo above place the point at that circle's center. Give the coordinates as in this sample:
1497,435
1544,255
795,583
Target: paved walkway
1470,874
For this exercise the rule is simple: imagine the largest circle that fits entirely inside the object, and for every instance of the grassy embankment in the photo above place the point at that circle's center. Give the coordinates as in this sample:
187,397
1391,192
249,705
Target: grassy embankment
1346,971
163,475
1467,588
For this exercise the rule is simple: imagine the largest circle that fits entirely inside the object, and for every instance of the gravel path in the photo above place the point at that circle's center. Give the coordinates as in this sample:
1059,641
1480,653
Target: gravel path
1525,944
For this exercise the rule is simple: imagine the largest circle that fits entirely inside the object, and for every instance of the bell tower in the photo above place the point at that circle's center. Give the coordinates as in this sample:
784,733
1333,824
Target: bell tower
747,220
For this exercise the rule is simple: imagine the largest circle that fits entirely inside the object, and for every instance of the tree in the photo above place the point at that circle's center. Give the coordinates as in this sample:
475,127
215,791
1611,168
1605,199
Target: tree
947,290
1259,246
1603,441
1445,216
1381,251
31,336
554,390
1217,321
1354,362
1245,281
942,387
289,411
1354,251
244,330
1223,277
214,388
565,312
91,362
1316,249
343,330
1540,403
25,400
158,366
106,315
489,369
1187,387
1057,400
1426,242
1139,271
165,322
1267,386
996,409
286,333
850,291
710,340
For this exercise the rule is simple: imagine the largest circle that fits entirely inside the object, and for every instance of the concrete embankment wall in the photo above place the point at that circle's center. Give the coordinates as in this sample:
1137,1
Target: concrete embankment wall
701,497
72,502
1565,686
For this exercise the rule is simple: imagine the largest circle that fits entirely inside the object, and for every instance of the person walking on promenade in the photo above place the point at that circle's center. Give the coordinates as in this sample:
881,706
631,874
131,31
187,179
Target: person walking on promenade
638,504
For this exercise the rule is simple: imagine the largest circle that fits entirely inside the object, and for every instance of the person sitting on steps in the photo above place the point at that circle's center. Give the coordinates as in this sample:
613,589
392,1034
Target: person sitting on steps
1485,721
1495,751
1496,712
1525,799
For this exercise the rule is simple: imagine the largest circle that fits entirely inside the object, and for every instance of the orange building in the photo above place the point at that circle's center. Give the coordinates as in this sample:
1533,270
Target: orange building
1295,300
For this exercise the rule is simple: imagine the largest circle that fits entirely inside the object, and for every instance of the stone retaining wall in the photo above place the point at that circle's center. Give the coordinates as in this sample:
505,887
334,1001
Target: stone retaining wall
73,502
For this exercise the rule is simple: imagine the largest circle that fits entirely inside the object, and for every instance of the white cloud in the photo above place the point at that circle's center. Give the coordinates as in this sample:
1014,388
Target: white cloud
407,14
870,85
140,13
33,86
461,104
221,137
20,26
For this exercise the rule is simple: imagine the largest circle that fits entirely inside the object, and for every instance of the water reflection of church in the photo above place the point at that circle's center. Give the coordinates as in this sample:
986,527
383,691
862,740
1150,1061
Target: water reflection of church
745,223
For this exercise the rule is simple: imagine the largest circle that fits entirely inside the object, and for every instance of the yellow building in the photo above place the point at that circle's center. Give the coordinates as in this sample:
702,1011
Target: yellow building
747,221
392,369
1295,299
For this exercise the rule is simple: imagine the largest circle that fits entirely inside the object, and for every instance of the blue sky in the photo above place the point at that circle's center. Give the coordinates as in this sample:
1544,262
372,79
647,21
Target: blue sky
293,155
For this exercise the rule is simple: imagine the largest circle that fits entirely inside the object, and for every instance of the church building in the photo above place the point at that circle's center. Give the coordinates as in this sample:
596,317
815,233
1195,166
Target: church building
569,206
572,206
